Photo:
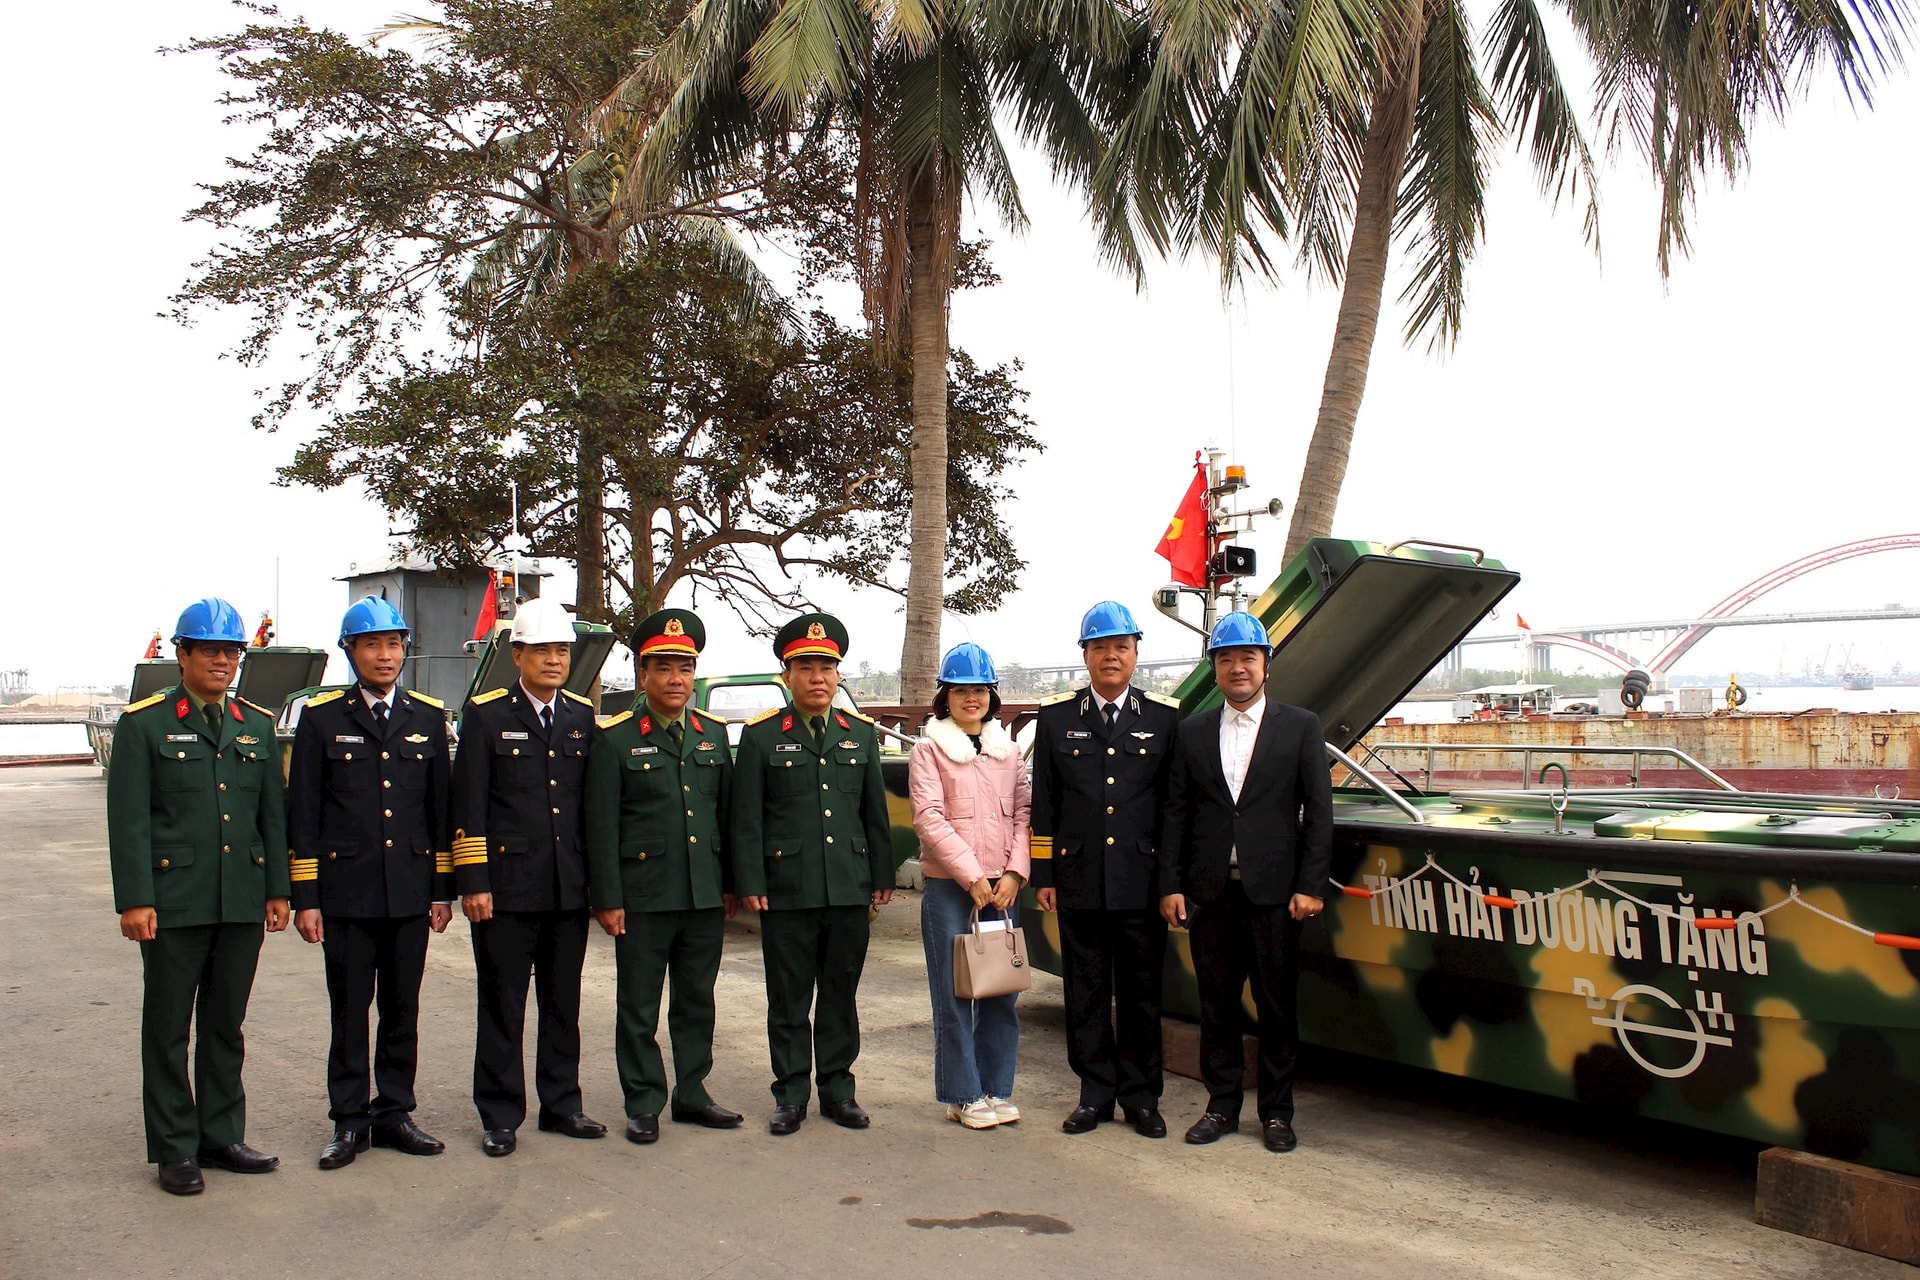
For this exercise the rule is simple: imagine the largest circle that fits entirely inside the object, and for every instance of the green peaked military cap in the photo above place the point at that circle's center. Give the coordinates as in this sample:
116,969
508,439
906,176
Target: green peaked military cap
678,632
818,635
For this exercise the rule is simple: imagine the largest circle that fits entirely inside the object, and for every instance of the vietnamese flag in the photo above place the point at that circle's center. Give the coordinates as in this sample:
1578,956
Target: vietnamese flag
489,607
1184,544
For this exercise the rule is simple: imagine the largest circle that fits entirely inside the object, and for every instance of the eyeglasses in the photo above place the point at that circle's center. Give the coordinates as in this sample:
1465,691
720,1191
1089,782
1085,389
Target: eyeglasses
231,652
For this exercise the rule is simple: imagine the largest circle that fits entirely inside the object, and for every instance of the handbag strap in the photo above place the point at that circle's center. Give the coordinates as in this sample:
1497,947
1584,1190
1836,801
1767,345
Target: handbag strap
980,939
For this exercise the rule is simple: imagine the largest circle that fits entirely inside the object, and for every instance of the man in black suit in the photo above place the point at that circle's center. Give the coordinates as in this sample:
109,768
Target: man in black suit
1101,759
520,860
1249,835
372,873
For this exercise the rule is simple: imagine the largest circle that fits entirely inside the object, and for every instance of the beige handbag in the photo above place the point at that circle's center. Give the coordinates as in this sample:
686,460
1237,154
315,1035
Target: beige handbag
991,963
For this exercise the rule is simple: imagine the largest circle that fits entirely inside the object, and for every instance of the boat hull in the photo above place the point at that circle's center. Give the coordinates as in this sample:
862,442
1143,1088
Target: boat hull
1787,1028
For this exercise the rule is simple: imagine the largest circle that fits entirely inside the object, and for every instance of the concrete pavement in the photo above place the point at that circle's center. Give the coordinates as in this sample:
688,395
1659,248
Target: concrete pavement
1400,1173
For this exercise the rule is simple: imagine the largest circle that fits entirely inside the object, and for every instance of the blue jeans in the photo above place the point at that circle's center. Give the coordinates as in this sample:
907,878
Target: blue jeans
975,1042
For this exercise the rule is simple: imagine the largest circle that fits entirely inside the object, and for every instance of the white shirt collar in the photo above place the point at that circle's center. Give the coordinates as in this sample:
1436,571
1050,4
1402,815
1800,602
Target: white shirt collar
373,699
538,706
1254,712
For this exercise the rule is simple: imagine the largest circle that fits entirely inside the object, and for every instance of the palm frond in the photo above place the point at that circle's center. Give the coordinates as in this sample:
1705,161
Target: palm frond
1534,102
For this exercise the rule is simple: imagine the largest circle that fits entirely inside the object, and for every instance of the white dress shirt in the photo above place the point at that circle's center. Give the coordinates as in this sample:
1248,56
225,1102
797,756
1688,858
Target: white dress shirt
538,706
373,699
1238,730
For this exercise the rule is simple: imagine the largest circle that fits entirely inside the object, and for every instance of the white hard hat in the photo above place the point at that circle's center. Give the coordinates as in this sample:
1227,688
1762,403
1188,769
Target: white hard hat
541,621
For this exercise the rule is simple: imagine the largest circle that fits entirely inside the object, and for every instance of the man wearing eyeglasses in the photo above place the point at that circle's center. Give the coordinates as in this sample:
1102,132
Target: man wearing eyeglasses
196,830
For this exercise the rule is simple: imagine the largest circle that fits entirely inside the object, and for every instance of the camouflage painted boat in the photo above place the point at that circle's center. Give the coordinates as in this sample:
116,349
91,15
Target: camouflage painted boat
1737,962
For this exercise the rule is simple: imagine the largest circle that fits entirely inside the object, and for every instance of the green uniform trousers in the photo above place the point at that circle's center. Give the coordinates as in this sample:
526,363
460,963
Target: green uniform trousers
684,947
203,972
809,951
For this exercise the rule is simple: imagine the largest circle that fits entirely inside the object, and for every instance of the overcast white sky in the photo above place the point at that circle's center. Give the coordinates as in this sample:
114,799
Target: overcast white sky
1637,449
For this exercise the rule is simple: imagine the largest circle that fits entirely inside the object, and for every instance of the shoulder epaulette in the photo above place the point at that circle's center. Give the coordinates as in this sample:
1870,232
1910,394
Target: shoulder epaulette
856,715
418,696
1164,700
703,712
582,699
322,699
481,699
144,703
768,714
256,706
607,722
1050,699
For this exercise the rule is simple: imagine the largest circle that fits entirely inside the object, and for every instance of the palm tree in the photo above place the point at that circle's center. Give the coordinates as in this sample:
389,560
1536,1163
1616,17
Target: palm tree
910,89
1234,134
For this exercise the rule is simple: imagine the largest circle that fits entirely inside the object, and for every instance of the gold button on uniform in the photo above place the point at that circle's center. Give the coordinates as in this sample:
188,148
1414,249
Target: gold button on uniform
1109,750
332,856
386,783
387,812
556,811
693,839
1109,808
825,813
389,844
164,864
1109,781
226,817
1109,839
226,848
689,813
223,786
829,839
385,756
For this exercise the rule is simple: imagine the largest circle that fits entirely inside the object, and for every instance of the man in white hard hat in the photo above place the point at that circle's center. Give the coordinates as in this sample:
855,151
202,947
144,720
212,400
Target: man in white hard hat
519,860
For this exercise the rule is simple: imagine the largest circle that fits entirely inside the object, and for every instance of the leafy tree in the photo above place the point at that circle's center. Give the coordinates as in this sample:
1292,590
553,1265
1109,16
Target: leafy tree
1344,124
628,368
911,90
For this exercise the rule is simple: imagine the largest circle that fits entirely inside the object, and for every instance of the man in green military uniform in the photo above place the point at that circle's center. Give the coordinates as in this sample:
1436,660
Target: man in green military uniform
196,828
811,847
658,779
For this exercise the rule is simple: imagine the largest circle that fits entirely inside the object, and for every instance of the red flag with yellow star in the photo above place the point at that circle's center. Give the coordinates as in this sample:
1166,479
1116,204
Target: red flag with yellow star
1184,544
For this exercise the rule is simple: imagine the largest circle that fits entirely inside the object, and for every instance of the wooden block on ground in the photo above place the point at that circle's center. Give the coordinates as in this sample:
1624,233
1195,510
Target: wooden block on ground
1180,1051
1848,1204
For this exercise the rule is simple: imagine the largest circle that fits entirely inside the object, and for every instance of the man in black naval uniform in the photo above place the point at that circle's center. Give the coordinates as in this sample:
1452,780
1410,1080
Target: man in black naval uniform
658,779
812,851
1101,761
372,873
520,863
196,829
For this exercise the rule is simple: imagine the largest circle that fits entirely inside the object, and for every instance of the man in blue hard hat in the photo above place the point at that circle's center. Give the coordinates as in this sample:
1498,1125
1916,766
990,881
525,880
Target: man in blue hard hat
372,870
196,828
1101,761
1249,839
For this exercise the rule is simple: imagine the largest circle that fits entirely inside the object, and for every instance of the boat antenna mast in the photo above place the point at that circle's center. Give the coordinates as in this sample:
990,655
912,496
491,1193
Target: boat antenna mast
1228,565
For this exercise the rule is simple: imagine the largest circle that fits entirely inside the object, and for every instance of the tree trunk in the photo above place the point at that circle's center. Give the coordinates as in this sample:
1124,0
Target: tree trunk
927,549
590,537
1382,159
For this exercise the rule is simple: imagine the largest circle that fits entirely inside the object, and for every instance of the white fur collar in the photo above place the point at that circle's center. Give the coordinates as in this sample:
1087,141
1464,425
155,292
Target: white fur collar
946,735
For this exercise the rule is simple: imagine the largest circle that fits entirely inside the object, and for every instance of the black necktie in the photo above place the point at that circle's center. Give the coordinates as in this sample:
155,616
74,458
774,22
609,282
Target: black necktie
1113,714
380,715
546,718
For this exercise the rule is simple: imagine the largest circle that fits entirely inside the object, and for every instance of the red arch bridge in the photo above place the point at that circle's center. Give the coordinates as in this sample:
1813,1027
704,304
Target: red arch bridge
1656,646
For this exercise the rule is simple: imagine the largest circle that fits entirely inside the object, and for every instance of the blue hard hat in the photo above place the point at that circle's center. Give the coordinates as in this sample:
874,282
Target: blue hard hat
967,663
1108,619
210,619
1238,630
369,614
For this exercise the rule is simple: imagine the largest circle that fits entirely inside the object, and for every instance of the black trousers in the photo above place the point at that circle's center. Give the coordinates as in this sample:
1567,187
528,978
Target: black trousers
367,960
1237,944
548,947
1112,963
198,979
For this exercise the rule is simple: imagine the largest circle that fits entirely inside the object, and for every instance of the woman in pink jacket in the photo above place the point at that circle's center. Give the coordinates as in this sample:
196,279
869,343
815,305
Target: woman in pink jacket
971,802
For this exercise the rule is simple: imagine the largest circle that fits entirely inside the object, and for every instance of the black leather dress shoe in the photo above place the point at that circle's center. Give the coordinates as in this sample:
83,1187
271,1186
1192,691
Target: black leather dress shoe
238,1157
342,1148
181,1178
577,1125
1148,1122
711,1116
846,1113
1211,1127
499,1142
1085,1119
787,1118
643,1129
407,1138
1279,1136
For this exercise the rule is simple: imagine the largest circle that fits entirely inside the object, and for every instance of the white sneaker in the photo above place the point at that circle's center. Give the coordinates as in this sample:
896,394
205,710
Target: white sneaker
1004,1108
978,1114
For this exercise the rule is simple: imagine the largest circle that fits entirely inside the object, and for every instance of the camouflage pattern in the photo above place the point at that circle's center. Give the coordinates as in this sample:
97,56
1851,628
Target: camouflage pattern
1451,949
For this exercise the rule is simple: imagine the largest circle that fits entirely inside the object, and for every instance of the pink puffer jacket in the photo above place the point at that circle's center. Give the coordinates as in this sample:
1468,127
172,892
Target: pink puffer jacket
971,809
